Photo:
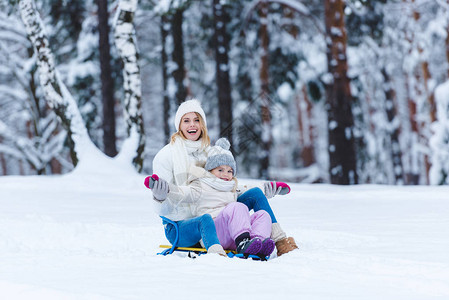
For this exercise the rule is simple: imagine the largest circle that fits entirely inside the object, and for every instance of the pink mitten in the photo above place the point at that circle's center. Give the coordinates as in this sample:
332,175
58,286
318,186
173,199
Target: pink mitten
285,188
149,181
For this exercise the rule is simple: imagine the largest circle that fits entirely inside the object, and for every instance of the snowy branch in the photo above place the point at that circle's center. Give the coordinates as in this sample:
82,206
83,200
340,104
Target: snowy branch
38,151
293,5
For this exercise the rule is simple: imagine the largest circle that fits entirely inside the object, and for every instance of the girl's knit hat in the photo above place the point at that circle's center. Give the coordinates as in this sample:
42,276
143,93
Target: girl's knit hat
186,107
219,155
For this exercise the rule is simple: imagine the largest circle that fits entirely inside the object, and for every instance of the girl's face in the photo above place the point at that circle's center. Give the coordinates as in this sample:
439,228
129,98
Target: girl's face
223,172
190,126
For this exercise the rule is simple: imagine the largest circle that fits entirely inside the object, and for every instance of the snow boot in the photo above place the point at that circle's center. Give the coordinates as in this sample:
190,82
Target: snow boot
246,245
217,248
267,248
285,245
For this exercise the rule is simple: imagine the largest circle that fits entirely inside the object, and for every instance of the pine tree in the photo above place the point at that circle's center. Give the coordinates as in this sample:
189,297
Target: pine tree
339,100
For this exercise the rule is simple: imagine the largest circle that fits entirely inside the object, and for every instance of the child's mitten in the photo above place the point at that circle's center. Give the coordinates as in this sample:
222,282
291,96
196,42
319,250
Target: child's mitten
272,189
285,188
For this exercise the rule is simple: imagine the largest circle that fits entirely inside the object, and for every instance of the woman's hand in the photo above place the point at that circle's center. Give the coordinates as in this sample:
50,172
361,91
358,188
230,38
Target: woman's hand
158,185
160,189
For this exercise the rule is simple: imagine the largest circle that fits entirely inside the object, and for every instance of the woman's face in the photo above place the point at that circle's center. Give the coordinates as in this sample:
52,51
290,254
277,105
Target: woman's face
223,172
190,126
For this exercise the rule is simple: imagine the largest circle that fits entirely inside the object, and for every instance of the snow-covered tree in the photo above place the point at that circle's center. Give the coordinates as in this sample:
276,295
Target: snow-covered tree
31,139
56,93
62,102
125,40
439,142
339,99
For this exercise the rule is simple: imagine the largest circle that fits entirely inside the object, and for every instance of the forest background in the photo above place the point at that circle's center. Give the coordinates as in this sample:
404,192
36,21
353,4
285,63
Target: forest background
340,92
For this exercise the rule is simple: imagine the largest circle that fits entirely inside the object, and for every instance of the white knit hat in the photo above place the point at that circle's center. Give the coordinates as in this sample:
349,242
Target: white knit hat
187,107
219,155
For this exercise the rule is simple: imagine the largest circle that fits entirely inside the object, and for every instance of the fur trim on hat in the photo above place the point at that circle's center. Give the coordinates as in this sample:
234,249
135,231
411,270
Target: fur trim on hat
219,155
186,107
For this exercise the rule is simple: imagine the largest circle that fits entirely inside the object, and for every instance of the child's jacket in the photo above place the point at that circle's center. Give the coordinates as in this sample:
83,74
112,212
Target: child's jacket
205,194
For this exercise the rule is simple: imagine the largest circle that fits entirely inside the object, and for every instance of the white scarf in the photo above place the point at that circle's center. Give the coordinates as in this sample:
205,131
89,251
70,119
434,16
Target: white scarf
186,152
219,184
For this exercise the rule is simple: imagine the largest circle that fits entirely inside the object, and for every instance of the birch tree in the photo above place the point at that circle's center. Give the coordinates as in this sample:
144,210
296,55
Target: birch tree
126,42
56,93
60,100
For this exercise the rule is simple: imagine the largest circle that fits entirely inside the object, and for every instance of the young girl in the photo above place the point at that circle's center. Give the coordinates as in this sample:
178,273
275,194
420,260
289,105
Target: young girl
190,144
213,191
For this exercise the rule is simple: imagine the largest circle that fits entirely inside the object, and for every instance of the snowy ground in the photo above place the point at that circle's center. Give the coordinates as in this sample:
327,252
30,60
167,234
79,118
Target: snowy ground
93,234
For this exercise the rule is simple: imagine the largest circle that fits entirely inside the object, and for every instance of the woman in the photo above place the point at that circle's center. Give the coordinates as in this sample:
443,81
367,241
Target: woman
190,145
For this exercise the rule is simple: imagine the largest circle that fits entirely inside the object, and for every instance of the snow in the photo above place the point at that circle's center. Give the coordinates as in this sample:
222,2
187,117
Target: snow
285,91
93,234
128,5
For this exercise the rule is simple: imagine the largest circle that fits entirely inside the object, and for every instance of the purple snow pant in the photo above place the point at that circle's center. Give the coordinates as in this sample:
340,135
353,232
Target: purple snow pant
235,219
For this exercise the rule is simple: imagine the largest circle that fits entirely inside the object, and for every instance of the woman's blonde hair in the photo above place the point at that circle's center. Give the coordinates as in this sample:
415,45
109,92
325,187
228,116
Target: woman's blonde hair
204,136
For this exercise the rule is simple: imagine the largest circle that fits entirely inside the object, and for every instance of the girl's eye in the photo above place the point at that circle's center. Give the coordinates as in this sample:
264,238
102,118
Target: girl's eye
186,120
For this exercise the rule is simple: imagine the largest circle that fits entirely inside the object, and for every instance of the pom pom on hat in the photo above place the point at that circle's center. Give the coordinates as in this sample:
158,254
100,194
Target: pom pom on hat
186,107
223,143
219,155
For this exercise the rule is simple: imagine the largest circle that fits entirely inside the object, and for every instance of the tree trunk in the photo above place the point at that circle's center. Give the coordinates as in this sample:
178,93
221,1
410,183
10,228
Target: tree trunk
221,45
264,95
342,156
412,175
125,40
3,163
304,108
107,83
56,94
429,94
447,44
426,76
164,58
179,73
393,128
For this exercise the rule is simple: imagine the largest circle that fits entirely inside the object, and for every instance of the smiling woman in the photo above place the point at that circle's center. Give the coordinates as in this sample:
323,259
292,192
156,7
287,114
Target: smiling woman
189,145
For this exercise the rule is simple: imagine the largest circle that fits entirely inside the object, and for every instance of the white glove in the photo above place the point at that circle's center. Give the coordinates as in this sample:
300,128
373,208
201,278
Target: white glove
271,190
160,189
